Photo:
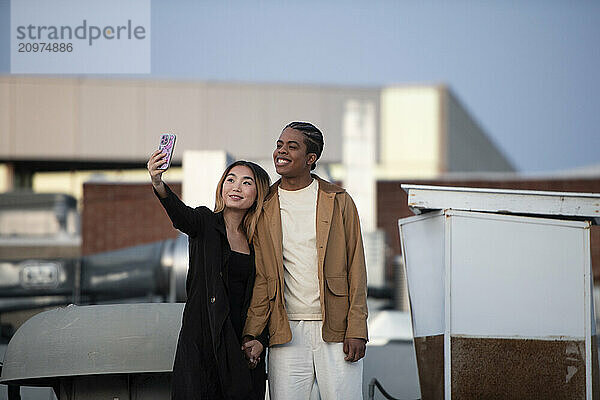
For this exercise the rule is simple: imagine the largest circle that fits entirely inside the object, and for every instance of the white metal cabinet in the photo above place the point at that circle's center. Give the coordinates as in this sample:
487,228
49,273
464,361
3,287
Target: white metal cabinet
502,305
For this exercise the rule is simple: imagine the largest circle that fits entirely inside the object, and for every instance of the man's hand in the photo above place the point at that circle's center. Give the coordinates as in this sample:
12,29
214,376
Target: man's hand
354,349
252,349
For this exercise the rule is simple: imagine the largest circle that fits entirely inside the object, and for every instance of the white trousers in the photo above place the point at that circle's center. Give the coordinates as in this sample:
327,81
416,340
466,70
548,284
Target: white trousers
294,366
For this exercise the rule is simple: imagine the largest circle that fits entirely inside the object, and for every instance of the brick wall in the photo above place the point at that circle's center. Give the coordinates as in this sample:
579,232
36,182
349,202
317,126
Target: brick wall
119,215
392,202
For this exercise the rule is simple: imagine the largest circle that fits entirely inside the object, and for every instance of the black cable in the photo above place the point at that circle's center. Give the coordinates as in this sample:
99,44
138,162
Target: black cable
374,382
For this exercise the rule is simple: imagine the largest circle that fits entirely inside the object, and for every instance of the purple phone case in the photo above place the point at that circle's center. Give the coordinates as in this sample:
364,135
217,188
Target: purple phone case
167,145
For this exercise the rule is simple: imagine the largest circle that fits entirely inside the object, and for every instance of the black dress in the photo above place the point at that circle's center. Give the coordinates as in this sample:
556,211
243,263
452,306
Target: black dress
241,272
209,363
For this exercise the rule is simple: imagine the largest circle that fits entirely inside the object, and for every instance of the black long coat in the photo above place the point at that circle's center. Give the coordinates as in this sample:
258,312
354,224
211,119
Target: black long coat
209,363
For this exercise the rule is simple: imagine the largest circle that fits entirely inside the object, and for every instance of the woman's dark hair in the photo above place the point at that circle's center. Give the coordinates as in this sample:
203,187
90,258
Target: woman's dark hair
313,138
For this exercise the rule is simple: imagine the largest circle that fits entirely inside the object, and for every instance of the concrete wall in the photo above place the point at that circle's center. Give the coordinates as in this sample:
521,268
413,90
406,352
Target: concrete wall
420,130
121,120
425,132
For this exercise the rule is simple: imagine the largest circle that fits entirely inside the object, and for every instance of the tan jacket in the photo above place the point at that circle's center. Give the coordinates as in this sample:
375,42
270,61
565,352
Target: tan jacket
341,269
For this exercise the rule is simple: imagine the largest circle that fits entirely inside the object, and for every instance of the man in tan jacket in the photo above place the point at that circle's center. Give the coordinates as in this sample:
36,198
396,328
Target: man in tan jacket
310,283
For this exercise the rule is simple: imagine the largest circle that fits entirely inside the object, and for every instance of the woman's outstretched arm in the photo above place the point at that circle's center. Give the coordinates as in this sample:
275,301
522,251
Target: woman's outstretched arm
184,218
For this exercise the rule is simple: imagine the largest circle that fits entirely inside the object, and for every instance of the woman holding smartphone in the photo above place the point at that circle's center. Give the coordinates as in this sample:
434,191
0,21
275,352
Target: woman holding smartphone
209,362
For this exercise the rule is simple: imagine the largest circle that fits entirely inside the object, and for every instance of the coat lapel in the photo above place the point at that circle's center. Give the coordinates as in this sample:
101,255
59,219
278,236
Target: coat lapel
273,219
325,203
226,251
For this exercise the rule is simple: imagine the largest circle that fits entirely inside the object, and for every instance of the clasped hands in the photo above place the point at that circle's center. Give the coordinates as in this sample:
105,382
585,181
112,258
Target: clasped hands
252,349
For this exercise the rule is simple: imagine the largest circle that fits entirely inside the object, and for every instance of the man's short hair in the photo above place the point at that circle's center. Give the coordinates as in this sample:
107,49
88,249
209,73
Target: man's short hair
313,138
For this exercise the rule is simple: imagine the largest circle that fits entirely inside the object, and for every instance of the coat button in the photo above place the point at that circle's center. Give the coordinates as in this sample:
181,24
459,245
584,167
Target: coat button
213,299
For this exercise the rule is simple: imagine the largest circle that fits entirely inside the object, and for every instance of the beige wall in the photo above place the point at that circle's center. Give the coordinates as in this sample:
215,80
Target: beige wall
6,145
6,178
110,120
425,132
121,120
72,182
421,131
410,132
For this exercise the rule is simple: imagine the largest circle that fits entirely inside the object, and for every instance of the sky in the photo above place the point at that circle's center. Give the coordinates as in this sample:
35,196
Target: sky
527,71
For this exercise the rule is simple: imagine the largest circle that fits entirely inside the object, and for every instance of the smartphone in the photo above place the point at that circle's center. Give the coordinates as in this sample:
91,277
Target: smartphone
167,145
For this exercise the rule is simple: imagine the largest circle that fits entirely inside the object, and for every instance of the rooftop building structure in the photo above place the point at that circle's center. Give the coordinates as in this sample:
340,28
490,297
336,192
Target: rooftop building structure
87,124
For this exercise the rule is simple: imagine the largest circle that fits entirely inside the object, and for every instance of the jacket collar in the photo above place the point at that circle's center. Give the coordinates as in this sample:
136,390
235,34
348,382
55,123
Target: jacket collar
325,186
272,215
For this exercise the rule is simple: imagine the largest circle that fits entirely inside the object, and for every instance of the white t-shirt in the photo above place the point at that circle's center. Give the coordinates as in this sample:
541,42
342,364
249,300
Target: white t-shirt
298,224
